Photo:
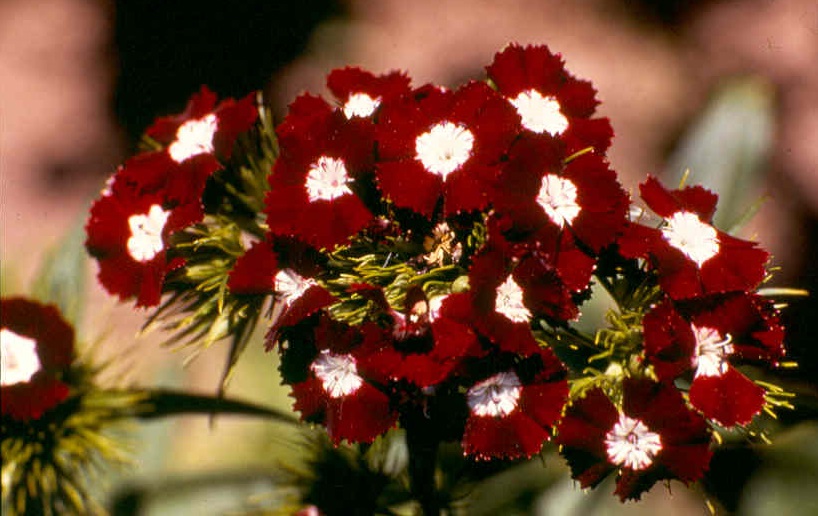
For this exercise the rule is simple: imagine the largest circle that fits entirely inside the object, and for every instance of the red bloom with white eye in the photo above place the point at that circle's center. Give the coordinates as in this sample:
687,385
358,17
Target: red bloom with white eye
705,340
443,143
583,198
37,349
323,154
361,93
692,257
204,127
338,391
550,100
511,413
127,233
653,437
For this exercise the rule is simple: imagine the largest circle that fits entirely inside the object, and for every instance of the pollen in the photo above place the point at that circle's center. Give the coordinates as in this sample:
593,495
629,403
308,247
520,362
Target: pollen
497,396
444,148
558,197
327,179
540,114
338,374
509,301
18,358
695,239
710,357
145,241
631,444
194,137
360,105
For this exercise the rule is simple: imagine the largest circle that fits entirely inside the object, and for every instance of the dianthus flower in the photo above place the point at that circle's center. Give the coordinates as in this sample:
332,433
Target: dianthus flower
512,411
361,93
335,388
312,186
127,232
37,350
582,197
692,258
443,144
704,336
654,436
549,100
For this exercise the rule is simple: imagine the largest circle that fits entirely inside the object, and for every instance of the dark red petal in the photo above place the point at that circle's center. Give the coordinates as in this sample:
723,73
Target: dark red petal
310,400
583,133
254,271
516,69
577,98
409,185
636,240
29,400
359,417
544,402
311,301
586,422
668,340
666,202
507,437
44,324
729,399
344,82
200,104
739,265
235,117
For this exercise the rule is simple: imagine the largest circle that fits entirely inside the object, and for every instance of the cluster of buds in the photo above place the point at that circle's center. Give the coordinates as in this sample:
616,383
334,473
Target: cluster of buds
428,251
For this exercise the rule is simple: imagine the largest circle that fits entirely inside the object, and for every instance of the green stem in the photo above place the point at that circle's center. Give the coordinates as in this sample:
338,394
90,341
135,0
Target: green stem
158,403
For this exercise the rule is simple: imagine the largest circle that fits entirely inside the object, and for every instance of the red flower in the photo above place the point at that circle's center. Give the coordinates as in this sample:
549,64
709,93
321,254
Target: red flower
338,392
443,143
550,100
653,437
583,197
511,413
203,127
37,349
711,333
313,181
127,234
692,257
361,93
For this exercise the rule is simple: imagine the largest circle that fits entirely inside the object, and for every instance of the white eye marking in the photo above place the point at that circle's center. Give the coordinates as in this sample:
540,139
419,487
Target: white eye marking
444,148
18,358
495,397
631,444
194,137
697,240
540,114
338,374
145,241
327,179
558,197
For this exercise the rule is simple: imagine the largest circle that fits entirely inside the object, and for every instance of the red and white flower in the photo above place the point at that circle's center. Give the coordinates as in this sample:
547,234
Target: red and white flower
549,100
704,337
692,257
322,155
511,413
443,144
361,93
654,436
36,350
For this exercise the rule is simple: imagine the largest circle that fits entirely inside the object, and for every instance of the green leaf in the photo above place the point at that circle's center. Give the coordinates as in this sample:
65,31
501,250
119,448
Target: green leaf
61,278
727,147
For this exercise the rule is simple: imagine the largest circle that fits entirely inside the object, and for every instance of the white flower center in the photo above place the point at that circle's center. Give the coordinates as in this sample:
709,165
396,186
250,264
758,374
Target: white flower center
710,358
509,301
697,240
338,374
327,179
444,148
540,114
631,444
495,397
360,105
18,358
194,137
289,285
146,233
558,197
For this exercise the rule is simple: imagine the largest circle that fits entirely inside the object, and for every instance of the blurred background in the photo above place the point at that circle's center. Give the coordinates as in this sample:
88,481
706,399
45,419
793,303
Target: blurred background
727,88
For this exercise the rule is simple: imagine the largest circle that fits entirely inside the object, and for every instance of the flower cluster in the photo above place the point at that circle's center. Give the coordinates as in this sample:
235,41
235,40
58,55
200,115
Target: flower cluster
428,251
